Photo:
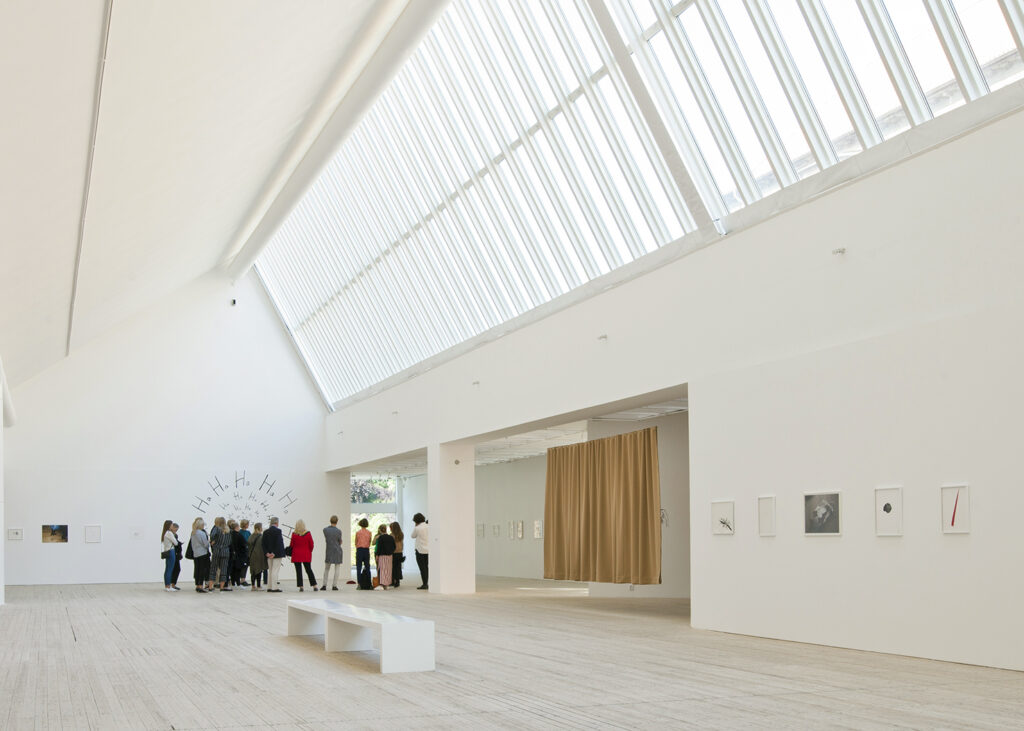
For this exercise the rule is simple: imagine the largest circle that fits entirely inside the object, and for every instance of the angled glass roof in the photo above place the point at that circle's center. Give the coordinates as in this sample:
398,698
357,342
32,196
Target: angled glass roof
528,148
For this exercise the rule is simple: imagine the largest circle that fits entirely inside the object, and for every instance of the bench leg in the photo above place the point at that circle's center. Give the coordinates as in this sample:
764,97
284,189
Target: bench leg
407,648
344,637
304,623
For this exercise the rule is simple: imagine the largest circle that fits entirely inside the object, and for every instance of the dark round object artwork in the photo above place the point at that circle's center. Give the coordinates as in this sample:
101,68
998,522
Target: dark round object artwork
887,508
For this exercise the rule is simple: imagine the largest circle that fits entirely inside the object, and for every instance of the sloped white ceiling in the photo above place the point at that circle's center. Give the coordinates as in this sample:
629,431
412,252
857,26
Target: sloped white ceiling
202,103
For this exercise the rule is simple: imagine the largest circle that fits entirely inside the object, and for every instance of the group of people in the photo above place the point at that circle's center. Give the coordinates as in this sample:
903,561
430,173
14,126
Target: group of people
223,556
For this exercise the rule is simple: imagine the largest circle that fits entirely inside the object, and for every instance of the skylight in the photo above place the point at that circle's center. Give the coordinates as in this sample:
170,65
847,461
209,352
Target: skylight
522,152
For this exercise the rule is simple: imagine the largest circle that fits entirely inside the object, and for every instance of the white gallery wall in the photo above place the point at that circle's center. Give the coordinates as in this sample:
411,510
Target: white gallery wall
932,250
144,422
513,491
674,475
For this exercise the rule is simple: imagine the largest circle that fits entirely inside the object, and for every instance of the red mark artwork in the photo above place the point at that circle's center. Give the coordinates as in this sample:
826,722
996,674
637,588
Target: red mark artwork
955,503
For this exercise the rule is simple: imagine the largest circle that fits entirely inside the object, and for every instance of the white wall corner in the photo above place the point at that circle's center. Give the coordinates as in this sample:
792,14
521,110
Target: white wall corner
5,396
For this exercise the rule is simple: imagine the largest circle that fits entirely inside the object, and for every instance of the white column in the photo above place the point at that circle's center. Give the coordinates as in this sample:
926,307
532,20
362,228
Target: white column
451,487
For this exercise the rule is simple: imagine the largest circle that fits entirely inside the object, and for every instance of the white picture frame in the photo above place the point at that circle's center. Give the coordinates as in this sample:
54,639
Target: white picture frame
519,530
496,529
823,513
956,507
15,534
538,529
481,530
766,516
889,511
93,534
723,517
511,530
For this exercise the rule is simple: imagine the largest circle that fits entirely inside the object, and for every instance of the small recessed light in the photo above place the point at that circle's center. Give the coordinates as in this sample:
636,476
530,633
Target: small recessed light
394,413
602,337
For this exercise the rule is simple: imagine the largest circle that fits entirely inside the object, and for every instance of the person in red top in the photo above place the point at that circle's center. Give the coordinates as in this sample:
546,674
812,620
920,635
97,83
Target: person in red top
302,553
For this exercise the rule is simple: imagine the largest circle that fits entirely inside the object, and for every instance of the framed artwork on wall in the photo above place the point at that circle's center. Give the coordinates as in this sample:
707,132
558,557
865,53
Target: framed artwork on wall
481,530
15,534
511,530
56,533
538,529
93,533
889,511
766,515
519,530
821,513
956,508
496,530
723,517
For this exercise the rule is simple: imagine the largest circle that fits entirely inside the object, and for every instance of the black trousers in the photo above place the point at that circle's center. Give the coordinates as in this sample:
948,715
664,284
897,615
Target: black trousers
201,570
396,569
422,560
176,571
309,573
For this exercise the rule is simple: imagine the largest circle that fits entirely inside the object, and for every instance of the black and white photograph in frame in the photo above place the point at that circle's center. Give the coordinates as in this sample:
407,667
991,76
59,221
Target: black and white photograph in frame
956,509
888,511
766,515
723,517
821,513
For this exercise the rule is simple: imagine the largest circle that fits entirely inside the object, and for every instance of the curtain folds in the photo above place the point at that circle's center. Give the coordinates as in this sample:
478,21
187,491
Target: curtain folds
602,510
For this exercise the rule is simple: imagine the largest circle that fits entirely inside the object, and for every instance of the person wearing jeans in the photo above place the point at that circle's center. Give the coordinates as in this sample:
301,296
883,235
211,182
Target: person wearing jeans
422,549
273,549
168,544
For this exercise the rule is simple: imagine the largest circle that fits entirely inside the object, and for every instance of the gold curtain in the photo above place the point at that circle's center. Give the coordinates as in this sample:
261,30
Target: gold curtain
602,510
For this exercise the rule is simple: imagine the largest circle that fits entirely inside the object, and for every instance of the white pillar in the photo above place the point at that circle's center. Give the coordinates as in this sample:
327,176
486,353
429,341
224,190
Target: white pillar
451,499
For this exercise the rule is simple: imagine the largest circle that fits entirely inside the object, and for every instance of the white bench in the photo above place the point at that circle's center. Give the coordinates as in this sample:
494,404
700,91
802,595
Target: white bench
406,644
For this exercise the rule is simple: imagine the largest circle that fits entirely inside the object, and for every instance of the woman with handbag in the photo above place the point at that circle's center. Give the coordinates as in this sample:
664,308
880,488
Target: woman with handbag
168,546
257,559
399,556
302,554
199,547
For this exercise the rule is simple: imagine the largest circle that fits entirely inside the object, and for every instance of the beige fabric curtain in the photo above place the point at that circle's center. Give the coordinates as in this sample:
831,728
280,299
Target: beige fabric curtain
602,511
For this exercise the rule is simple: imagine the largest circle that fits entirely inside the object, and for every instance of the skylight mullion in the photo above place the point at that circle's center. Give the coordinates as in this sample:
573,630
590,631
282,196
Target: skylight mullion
484,302
605,119
602,237
581,134
1013,11
271,265
550,284
686,58
832,53
544,173
487,261
492,267
401,132
743,82
640,127
521,273
793,85
897,64
375,207
969,76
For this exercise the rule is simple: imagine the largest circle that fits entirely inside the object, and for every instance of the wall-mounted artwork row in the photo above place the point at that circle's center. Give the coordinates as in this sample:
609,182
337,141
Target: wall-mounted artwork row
723,517
821,514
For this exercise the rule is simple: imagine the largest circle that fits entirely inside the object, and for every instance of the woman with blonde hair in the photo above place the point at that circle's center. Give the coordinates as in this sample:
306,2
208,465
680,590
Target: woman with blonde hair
302,553
199,544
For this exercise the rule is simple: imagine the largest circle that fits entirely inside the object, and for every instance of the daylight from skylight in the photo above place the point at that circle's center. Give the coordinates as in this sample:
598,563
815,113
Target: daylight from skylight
528,148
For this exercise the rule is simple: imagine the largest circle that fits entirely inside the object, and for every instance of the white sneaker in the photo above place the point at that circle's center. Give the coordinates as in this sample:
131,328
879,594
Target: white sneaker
167,588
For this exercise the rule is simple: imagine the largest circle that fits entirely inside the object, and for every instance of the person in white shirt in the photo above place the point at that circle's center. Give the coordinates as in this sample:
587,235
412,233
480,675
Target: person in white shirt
422,548
168,543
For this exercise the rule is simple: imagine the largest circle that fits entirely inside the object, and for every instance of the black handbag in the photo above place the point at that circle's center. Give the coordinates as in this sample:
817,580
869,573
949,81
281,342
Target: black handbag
188,552
165,554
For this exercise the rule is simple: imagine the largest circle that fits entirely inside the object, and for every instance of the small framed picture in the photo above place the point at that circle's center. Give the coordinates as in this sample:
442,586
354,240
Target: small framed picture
538,529
766,515
723,517
956,508
56,533
511,530
888,511
519,530
821,514
496,529
15,534
481,530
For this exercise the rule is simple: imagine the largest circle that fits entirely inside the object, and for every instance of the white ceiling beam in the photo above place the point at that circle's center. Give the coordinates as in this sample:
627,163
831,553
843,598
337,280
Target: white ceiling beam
390,36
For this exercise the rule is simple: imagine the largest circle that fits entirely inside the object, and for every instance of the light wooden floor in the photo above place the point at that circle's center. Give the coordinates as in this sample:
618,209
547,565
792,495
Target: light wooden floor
517,655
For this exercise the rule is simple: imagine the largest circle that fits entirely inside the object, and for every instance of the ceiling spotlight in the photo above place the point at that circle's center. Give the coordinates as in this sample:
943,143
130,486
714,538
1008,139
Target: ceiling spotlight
602,337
